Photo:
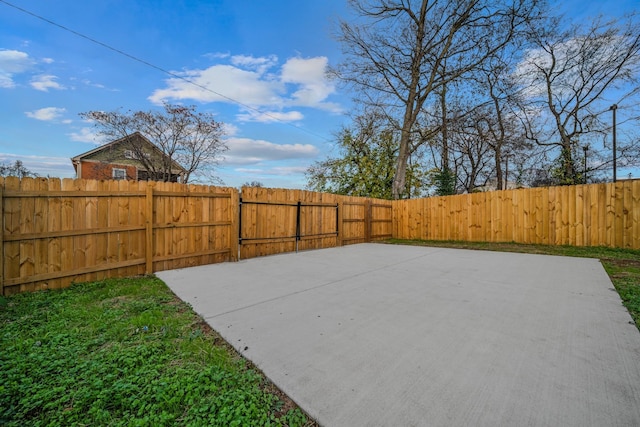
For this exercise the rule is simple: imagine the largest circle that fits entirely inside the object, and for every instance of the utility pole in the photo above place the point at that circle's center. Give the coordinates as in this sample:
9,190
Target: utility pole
613,108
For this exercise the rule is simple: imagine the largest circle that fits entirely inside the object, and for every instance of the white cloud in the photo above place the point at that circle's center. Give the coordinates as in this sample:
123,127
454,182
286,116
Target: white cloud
44,82
216,55
255,83
46,114
278,171
6,81
90,83
259,64
309,76
85,134
245,151
223,83
270,116
565,62
48,60
12,62
229,129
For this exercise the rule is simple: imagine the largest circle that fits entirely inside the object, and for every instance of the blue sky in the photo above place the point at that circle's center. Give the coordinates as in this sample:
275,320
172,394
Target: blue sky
268,55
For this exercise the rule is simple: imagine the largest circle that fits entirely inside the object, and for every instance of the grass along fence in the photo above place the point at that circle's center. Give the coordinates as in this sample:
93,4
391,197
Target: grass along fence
56,232
582,215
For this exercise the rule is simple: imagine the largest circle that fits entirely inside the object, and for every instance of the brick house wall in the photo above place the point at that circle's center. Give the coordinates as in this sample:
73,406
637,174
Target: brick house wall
99,170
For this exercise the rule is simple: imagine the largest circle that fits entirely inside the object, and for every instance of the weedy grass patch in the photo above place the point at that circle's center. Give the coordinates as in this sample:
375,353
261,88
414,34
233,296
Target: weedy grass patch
622,265
125,352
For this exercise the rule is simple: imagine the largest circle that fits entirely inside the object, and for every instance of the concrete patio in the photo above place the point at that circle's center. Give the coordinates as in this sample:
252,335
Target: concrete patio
385,335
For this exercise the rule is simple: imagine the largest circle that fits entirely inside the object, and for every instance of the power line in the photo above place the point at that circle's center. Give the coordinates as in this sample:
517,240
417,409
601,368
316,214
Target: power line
158,68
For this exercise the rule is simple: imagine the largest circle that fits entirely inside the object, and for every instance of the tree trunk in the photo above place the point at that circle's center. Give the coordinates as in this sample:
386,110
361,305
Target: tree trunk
400,176
569,171
499,181
445,135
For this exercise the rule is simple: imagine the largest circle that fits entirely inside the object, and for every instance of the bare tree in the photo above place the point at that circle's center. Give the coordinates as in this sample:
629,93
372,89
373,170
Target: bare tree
570,78
504,132
402,52
190,138
474,164
478,130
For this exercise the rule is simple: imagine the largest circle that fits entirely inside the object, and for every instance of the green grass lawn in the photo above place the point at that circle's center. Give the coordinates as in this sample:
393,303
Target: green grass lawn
622,265
125,352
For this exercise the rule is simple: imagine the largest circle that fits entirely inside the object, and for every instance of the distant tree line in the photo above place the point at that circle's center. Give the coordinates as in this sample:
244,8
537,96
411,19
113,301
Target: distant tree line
16,168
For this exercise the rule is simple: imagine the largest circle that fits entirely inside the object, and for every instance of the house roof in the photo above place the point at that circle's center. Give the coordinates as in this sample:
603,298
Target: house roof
87,155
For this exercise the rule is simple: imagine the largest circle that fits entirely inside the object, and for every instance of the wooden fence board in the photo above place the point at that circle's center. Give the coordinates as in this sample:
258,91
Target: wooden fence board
635,215
27,250
11,227
58,228
583,215
1,242
572,201
579,216
618,226
610,214
104,246
40,214
627,224
91,223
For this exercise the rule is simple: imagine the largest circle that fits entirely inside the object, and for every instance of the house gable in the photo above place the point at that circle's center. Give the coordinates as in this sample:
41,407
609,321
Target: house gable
110,160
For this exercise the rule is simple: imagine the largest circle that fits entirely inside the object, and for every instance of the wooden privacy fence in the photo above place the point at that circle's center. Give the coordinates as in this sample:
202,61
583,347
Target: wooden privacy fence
581,215
56,232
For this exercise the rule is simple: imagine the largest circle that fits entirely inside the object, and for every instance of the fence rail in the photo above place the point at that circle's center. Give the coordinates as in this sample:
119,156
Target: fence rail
56,232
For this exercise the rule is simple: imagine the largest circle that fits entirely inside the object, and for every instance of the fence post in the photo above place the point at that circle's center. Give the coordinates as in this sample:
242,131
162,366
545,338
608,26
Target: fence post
1,240
298,224
235,224
149,229
339,224
394,219
367,221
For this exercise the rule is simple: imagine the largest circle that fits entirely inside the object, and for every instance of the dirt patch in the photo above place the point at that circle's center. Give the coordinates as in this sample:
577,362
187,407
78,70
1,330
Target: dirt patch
116,301
623,262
